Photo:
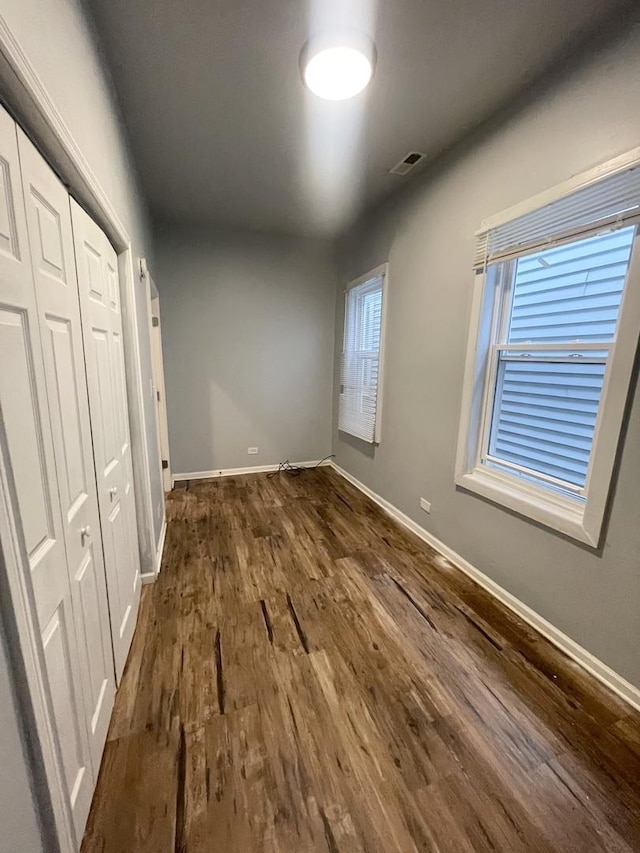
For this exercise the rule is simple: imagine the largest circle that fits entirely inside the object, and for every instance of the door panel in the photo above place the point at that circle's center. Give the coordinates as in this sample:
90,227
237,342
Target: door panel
9,241
74,481
102,329
106,459
90,584
53,261
30,449
93,273
28,460
25,420
58,644
111,270
47,237
119,394
119,545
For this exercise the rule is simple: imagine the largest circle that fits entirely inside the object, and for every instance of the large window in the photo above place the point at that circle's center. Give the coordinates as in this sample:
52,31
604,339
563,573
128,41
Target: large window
361,370
555,329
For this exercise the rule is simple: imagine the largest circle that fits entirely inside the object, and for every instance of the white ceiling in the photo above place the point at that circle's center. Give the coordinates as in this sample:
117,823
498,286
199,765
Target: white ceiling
223,131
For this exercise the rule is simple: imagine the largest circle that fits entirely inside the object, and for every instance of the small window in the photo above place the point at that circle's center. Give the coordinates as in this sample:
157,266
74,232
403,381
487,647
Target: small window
550,361
361,369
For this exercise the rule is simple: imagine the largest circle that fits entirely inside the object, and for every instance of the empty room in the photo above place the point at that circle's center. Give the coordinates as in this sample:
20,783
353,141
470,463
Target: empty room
319,426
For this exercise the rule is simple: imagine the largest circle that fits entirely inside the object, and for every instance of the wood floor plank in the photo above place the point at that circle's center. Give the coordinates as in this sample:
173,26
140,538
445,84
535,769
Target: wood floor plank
141,811
309,677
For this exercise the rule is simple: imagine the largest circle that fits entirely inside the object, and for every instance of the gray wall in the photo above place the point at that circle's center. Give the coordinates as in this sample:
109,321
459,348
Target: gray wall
58,40
592,114
247,328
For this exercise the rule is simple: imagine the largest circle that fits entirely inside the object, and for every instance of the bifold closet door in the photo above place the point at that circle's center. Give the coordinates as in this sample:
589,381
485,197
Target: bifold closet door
27,432
102,330
54,272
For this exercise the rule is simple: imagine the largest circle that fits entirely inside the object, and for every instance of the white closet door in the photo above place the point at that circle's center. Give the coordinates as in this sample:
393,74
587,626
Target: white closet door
54,271
102,330
25,420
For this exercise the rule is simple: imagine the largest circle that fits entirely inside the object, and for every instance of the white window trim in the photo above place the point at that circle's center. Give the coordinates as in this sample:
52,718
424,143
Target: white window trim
582,521
381,271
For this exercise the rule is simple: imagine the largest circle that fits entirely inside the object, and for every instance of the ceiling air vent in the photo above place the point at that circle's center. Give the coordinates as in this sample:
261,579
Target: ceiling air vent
407,164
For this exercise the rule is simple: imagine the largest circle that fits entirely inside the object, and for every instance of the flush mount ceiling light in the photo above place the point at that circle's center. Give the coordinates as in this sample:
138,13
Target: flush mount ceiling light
337,69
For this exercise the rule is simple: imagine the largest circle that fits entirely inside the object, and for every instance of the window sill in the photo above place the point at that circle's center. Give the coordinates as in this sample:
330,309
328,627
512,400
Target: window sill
551,510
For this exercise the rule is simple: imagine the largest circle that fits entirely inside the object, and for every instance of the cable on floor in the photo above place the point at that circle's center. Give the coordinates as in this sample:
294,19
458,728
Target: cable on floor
296,470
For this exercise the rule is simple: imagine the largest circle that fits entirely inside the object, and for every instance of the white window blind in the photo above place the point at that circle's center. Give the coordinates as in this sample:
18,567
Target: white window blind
610,201
361,369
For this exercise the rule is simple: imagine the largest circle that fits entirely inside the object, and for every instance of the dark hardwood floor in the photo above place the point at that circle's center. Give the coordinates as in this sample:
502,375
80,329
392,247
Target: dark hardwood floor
308,676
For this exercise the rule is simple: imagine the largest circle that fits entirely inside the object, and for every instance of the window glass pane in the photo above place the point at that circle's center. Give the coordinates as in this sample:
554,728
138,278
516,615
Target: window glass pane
571,292
545,415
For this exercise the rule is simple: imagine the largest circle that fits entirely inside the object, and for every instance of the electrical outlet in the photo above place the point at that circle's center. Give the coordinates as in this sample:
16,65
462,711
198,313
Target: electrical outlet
425,505
252,451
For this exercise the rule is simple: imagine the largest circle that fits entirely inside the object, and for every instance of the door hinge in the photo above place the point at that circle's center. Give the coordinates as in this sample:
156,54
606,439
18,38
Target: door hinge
155,321
158,395
165,464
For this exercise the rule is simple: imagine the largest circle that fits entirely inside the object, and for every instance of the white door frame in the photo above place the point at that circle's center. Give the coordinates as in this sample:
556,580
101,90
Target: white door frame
157,365
27,98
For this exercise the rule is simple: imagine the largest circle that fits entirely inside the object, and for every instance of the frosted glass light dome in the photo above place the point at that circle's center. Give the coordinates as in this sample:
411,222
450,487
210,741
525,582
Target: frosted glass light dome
339,70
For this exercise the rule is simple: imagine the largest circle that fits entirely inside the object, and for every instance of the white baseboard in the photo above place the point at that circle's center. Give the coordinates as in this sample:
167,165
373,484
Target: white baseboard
150,577
627,691
234,472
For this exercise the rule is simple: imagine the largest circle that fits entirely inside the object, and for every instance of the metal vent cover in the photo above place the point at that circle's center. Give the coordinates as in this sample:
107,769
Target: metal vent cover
408,163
